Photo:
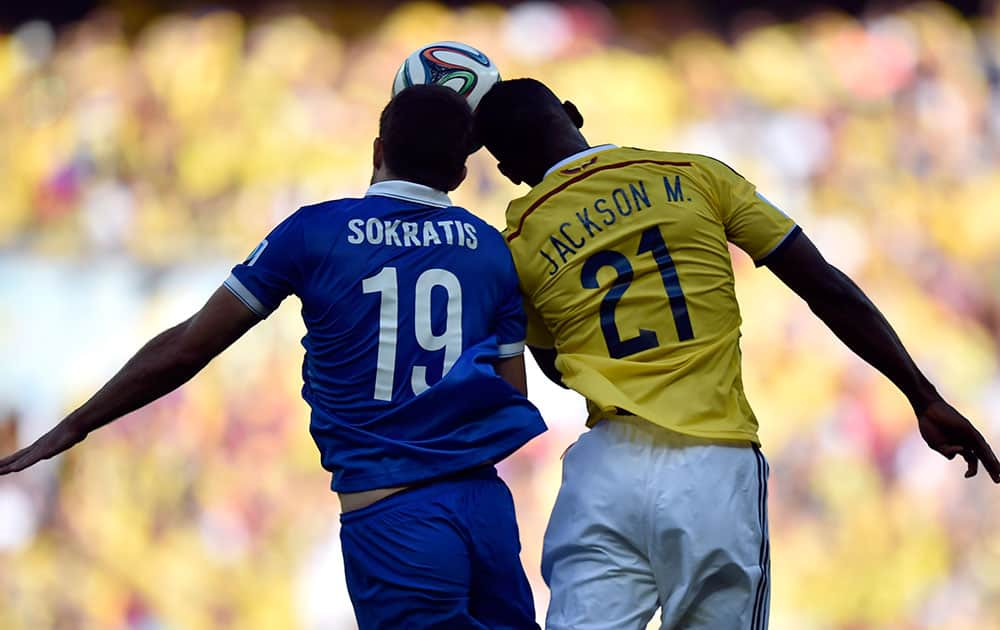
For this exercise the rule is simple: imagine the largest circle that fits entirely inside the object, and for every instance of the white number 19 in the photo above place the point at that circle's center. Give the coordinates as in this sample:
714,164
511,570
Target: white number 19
450,340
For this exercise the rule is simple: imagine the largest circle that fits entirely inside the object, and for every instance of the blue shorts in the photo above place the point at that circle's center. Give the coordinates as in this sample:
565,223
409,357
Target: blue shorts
443,555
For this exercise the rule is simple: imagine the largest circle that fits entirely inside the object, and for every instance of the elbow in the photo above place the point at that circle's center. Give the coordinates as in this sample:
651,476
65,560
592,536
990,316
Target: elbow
187,361
835,293
829,285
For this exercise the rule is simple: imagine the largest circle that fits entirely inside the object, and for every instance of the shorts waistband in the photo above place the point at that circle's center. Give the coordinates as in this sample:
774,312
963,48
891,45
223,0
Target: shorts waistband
639,428
421,490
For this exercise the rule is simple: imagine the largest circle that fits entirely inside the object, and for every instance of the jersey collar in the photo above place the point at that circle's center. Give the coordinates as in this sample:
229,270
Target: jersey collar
576,156
410,191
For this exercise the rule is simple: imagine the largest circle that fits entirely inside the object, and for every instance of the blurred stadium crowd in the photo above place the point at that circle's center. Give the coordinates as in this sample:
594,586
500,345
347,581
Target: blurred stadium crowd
135,170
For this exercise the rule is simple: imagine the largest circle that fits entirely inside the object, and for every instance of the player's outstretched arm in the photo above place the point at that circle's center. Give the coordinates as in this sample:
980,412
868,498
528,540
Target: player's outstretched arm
165,363
848,312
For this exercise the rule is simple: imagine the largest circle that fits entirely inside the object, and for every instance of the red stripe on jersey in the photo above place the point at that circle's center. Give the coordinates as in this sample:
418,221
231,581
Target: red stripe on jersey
578,169
561,187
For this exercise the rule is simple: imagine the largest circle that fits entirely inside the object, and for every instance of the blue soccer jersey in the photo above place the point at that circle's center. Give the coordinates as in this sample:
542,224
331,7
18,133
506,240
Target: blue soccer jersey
408,301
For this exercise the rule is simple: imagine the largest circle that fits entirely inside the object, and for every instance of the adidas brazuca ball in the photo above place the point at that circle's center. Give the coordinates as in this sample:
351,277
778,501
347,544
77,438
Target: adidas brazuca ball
451,64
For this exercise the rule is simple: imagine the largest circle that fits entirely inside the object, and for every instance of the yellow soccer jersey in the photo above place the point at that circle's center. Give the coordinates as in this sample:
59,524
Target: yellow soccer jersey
625,269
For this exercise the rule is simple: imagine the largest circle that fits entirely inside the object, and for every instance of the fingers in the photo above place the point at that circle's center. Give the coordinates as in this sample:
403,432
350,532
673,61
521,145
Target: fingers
988,457
973,456
950,451
27,456
953,434
14,463
972,461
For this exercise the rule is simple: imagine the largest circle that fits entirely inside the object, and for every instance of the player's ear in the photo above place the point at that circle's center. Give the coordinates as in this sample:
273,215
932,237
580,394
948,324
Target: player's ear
461,178
508,173
377,153
574,114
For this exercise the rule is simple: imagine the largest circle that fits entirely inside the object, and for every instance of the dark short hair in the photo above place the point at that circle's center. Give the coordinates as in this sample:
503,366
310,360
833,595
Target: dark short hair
426,133
516,118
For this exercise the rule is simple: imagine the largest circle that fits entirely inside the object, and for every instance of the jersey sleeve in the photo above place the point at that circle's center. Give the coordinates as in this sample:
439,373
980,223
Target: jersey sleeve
751,221
510,314
272,271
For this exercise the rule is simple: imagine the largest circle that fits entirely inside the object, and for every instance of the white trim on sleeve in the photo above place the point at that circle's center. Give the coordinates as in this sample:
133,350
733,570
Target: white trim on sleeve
771,203
244,295
508,350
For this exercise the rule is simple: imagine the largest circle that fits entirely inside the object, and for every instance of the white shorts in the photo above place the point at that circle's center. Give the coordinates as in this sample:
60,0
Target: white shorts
647,518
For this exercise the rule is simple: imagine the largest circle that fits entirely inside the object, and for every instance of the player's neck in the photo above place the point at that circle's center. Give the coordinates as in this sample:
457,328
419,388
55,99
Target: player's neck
568,145
556,155
567,151
383,174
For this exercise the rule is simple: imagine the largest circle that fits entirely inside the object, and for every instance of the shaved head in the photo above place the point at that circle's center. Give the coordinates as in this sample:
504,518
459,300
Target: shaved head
527,128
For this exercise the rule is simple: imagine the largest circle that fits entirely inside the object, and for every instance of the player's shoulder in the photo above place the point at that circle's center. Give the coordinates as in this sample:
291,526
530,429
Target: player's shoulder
465,214
328,210
700,161
715,166
484,229
326,219
313,226
514,215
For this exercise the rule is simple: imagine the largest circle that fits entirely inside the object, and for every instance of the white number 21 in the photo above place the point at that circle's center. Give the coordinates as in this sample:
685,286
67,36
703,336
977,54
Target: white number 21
450,340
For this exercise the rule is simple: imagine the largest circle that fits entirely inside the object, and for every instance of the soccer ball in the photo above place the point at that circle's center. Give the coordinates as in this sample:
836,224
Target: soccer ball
451,64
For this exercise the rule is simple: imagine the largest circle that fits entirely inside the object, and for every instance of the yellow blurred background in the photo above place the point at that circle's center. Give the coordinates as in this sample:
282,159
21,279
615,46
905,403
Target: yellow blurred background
137,167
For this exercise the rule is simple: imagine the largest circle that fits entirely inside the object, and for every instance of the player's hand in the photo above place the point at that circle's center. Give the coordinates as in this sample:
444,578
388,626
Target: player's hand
950,433
49,445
